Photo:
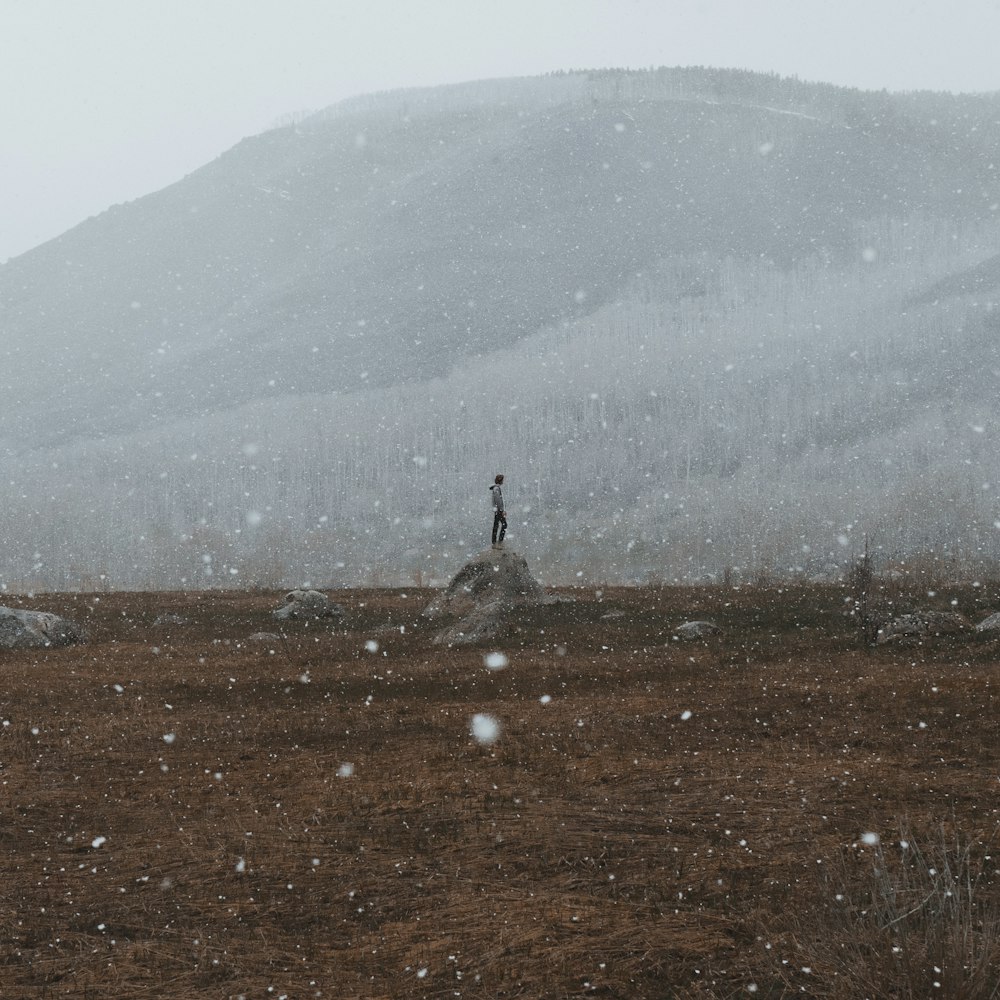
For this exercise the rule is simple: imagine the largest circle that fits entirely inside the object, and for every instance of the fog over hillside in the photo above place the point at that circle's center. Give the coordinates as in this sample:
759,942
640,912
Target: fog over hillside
706,322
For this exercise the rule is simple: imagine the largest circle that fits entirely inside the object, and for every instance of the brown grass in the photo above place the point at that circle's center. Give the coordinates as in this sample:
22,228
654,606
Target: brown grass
604,845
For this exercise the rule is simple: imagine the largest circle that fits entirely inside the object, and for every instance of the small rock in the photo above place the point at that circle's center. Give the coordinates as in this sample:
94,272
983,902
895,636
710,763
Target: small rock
171,618
695,630
991,624
308,604
921,624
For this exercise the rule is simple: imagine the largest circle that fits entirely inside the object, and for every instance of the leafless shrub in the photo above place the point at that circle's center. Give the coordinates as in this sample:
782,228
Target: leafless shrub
913,922
861,579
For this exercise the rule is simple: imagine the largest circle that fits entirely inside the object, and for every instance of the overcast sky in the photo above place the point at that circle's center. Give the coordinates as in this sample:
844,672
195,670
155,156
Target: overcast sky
102,101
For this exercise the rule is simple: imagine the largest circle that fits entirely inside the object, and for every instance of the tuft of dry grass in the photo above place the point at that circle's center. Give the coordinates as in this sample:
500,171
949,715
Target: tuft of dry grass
901,920
179,817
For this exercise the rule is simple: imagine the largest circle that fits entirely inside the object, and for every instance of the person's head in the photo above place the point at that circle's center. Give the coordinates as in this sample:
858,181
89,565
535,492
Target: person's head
499,479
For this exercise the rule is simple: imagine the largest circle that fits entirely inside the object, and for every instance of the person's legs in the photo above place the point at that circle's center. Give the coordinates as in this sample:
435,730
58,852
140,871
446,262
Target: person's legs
503,530
497,521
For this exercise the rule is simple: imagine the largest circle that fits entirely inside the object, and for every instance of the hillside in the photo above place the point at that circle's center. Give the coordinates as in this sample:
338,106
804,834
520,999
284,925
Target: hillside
718,290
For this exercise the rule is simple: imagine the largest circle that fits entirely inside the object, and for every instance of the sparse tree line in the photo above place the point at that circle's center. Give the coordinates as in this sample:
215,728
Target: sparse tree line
942,113
723,419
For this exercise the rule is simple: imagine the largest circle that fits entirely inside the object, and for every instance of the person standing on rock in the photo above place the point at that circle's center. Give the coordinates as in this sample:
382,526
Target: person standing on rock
499,513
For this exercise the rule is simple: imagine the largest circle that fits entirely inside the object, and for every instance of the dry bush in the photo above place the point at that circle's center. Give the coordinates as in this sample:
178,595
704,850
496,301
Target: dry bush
900,922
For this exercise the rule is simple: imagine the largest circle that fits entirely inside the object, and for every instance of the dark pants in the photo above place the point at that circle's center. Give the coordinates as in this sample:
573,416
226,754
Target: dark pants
499,522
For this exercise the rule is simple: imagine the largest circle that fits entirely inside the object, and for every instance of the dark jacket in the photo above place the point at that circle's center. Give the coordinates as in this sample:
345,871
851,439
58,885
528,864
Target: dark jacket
497,498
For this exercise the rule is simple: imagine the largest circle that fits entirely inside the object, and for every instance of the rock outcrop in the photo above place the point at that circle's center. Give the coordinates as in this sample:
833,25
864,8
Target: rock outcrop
306,604
479,602
20,629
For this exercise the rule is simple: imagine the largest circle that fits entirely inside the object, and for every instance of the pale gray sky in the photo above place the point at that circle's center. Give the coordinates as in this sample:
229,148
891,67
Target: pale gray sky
106,100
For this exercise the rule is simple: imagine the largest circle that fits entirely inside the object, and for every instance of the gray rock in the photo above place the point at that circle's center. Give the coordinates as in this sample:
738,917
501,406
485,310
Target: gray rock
483,597
21,629
484,622
690,631
991,624
171,618
308,604
494,575
922,624
264,637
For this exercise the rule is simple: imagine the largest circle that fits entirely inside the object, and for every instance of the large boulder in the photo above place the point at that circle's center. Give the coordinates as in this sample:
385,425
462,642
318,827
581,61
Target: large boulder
20,629
923,624
479,601
308,604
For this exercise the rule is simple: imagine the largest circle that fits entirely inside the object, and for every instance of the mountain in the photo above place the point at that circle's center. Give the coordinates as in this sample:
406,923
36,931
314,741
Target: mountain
673,305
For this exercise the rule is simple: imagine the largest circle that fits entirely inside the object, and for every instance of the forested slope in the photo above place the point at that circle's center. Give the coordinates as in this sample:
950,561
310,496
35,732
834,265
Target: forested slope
703,320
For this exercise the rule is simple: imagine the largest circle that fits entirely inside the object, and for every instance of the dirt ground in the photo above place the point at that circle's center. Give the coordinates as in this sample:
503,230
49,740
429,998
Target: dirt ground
188,811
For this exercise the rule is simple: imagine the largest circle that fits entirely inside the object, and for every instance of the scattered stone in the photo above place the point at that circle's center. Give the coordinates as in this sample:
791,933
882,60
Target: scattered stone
391,628
609,615
690,631
21,629
171,618
264,637
482,597
308,604
991,624
922,624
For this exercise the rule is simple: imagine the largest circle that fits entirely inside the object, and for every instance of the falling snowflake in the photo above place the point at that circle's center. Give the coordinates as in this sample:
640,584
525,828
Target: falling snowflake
484,728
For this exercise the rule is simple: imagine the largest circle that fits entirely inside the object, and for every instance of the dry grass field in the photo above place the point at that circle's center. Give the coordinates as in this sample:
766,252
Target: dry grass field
189,812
